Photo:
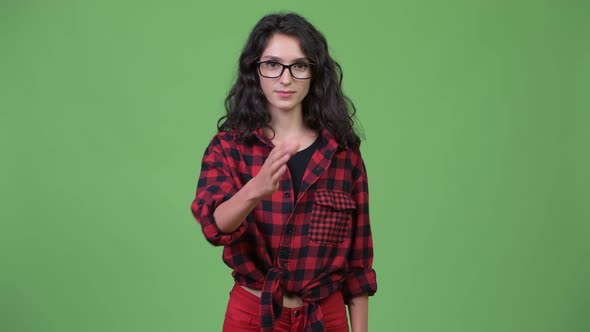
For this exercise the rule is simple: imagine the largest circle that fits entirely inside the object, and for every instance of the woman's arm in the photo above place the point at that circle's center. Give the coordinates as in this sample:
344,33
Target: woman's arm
361,280
230,214
358,309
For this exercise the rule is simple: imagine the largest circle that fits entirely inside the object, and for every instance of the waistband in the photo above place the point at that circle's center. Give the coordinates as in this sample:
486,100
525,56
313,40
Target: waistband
272,297
311,311
289,300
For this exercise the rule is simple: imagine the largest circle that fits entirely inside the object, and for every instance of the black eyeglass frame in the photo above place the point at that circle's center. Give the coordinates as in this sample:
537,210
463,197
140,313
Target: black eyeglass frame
258,63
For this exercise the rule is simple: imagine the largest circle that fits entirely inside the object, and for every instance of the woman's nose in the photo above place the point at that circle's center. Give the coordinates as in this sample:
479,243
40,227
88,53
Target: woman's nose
286,77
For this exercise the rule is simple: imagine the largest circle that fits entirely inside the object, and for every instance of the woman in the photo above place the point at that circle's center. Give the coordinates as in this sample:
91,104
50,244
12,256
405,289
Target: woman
283,188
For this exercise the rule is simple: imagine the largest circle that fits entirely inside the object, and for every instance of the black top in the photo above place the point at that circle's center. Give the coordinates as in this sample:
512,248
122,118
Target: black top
298,163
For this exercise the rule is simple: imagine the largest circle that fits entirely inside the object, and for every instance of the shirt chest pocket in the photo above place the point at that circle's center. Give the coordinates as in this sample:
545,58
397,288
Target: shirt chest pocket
331,216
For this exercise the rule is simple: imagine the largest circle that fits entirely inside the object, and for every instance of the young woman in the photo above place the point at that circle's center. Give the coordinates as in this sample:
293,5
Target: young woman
283,188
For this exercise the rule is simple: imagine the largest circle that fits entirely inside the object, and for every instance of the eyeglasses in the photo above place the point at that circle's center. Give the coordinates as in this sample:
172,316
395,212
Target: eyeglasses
273,69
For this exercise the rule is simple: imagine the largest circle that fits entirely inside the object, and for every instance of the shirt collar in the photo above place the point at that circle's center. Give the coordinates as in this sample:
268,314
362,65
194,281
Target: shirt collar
327,138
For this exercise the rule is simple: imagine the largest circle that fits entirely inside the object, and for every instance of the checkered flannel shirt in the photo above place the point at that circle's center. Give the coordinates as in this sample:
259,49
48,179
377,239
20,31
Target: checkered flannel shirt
312,245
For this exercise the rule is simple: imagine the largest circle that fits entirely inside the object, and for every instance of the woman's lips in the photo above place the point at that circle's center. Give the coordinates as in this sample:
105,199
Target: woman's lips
285,94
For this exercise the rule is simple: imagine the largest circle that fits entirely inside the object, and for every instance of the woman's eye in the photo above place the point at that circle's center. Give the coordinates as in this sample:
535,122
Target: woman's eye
300,66
272,65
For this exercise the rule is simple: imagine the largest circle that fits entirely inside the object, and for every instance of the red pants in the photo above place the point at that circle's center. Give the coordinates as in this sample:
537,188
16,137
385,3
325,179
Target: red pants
243,314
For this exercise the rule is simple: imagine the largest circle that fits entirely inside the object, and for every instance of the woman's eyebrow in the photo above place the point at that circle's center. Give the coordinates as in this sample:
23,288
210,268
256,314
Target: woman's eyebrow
277,59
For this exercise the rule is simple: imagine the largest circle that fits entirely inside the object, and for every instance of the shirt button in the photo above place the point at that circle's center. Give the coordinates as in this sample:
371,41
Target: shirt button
287,195
296,313
289,229
284,264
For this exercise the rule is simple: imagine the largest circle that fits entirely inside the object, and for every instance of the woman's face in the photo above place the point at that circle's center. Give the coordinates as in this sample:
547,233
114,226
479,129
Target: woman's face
285,92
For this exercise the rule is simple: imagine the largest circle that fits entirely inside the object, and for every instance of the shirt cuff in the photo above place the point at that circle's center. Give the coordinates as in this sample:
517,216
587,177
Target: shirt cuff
358,282
204,216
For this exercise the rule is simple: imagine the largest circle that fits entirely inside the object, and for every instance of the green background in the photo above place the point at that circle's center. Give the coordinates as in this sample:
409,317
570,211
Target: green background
476,116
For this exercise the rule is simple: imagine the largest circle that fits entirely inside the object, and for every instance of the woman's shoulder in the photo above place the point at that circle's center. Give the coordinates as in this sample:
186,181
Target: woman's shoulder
231,139
354,155
224,137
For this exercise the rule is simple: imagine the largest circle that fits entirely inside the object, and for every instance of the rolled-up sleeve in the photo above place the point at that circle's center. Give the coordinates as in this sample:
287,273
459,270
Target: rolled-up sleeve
216,185
360,277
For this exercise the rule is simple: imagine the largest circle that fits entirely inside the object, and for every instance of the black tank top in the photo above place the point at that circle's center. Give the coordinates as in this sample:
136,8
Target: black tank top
298,163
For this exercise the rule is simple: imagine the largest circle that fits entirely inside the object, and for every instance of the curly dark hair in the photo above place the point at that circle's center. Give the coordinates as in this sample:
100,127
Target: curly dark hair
324,107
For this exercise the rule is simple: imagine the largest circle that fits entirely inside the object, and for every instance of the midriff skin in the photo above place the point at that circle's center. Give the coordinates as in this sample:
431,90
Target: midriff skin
289,301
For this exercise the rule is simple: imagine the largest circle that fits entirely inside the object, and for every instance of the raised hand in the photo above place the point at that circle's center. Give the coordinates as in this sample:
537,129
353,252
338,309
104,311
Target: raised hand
267,180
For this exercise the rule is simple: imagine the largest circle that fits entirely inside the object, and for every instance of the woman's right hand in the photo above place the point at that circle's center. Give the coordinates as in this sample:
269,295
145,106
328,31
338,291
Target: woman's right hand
266,182
230,214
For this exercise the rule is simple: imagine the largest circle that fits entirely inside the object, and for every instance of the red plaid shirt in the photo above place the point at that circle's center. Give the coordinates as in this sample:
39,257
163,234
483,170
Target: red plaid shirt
312,245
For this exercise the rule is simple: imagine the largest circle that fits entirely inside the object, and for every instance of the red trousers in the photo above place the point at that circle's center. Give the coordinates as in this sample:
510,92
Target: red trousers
243,314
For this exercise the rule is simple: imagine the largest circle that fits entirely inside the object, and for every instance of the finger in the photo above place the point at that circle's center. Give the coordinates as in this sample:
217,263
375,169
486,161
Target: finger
279,151
272,156
277,176
277,164
276,153
291,147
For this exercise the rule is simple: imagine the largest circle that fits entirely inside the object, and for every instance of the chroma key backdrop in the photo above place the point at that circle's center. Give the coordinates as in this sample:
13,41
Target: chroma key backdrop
477,142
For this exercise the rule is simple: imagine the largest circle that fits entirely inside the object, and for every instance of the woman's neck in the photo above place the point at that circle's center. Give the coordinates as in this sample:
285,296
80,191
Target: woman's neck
287,122
289,126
